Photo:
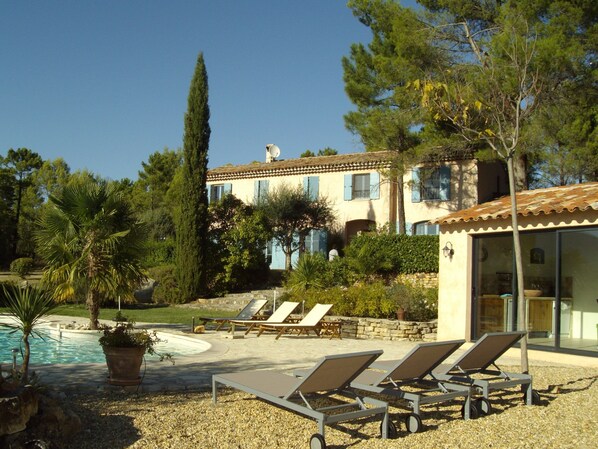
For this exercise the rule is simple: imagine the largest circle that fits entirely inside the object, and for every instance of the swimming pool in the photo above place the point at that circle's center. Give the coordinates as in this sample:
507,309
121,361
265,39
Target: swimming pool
69,347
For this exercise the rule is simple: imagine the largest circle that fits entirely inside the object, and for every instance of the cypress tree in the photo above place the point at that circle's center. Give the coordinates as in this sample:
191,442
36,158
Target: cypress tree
192,225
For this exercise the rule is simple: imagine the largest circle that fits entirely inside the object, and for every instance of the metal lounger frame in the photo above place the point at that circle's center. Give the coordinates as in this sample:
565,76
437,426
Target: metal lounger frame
415,370
480,358
302,390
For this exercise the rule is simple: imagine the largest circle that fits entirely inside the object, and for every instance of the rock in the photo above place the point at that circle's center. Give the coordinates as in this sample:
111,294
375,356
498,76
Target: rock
16,408
146,291
55,419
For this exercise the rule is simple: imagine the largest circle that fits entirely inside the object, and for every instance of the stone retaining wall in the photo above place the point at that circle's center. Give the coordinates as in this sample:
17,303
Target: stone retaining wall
427,280
381,329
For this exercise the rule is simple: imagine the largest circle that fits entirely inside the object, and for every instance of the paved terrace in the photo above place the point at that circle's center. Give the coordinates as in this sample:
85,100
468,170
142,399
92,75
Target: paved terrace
226,355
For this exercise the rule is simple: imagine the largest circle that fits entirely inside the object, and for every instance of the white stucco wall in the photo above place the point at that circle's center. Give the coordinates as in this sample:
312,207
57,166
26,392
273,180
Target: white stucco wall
331,186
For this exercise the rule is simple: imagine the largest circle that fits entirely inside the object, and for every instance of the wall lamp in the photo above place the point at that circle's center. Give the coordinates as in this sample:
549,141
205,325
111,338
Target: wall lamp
448,250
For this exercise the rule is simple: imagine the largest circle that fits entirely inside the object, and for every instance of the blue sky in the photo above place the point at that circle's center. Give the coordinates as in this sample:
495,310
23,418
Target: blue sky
104,84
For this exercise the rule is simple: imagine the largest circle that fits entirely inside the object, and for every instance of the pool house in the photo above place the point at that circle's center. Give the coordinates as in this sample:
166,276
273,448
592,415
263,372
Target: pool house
559,239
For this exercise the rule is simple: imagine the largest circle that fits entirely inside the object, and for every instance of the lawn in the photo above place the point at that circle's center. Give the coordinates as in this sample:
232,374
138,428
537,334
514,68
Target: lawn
142,313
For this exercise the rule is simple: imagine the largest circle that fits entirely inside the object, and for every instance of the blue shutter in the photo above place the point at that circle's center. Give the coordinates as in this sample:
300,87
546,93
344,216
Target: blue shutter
348,187
227,188
209,189
408,228
415,186
374,185
278,257
314,187
445,183
323,236
260,190
310,187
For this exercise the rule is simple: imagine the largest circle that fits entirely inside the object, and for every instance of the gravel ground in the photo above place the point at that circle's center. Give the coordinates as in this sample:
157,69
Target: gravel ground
567,418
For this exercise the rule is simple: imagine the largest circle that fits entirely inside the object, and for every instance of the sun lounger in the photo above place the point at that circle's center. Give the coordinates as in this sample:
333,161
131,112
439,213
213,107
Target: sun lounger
414,371
477,367
331,376
249,311
280,315
311,322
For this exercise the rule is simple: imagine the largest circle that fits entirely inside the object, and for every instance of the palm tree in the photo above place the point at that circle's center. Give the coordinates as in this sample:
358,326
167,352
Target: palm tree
92,244
27,306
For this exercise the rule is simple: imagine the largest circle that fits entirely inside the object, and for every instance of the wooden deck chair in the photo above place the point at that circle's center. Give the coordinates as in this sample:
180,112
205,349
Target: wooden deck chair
330,376
311,322
248,312
280,315
411,379
477,367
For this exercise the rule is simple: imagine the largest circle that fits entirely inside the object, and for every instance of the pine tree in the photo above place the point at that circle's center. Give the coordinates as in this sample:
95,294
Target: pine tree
192,225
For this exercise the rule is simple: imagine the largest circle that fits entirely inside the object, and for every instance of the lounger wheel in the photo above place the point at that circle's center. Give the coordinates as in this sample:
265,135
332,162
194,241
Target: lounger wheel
413,423
317,441
473,411
483,406
391,432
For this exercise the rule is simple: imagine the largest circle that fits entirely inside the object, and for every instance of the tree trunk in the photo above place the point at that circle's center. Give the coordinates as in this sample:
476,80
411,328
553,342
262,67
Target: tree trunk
520,172
26,356
521,306
401,203
93,305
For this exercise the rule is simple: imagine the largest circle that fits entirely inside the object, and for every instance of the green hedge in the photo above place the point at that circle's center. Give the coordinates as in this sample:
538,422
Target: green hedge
380,253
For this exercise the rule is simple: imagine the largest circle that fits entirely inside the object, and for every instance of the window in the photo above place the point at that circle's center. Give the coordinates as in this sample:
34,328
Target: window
260,190
425,228
217,191
431,183
362,186
311,187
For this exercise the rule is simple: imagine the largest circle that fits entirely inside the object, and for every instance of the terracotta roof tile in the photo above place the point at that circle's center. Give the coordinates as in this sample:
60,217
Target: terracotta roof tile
554,200
340,162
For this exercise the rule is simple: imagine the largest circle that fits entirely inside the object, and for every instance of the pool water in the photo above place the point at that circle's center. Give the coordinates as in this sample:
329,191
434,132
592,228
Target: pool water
80,347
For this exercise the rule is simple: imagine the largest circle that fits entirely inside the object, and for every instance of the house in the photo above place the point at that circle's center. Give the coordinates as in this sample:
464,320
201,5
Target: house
559,244
361,192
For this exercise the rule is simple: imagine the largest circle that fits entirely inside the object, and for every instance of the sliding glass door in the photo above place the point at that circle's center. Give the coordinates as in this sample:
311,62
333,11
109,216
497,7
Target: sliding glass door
561,287
578,311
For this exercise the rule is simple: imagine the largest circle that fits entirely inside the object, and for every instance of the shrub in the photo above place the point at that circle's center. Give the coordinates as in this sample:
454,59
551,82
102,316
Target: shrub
4,287
366,300
22,266
167,289
372,300
308,273
419,303
160,253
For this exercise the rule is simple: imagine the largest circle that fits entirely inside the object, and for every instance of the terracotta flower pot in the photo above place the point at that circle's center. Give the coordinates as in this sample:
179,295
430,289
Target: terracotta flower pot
124,365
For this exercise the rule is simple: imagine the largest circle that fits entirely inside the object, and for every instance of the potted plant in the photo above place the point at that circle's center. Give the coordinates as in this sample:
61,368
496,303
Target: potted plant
18,399
124,347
